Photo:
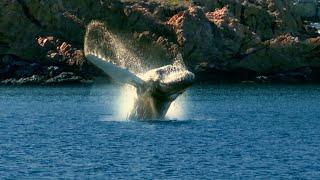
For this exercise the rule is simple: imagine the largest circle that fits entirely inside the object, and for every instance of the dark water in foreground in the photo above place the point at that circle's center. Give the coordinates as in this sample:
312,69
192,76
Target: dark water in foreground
226,131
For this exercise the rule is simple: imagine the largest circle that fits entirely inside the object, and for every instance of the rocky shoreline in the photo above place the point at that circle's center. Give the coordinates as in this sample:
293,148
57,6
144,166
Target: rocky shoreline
220,40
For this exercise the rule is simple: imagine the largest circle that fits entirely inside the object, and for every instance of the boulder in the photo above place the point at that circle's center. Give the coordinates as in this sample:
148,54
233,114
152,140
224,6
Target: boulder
196,35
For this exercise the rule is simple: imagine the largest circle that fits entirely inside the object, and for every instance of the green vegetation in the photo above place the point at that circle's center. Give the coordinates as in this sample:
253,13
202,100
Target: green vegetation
173,2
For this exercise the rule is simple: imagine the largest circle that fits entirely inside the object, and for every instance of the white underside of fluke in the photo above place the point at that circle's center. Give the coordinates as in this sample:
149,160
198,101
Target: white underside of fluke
117,73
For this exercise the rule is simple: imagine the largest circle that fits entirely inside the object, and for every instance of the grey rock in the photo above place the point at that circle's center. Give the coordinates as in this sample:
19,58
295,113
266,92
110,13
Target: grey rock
65,77
54,70
35,79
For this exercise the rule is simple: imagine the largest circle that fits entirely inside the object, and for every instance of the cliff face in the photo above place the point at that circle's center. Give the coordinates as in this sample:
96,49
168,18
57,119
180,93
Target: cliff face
42,41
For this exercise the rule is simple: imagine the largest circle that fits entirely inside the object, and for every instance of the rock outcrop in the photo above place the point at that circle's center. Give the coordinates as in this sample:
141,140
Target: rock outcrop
42,41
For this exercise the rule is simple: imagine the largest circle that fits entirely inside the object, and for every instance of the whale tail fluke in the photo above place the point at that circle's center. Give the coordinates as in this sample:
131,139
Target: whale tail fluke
100,48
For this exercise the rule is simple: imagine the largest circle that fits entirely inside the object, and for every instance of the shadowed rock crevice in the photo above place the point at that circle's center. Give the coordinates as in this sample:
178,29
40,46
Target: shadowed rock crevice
28,14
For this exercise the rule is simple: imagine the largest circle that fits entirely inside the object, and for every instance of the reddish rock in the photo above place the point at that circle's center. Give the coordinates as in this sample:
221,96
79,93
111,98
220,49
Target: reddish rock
47,43
195,34
219,17
64,48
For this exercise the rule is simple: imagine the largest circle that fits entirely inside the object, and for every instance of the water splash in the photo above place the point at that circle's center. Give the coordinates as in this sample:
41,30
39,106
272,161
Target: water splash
127,96
109,46
119,51
177,108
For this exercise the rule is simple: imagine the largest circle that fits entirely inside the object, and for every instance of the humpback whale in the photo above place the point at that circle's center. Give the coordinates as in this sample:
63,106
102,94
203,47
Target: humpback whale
156,88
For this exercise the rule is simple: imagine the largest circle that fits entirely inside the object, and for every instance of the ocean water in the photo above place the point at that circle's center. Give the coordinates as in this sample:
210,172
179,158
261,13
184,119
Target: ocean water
212,132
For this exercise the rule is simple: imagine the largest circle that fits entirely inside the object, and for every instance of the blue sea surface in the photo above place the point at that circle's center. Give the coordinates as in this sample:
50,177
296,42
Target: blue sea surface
221,132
